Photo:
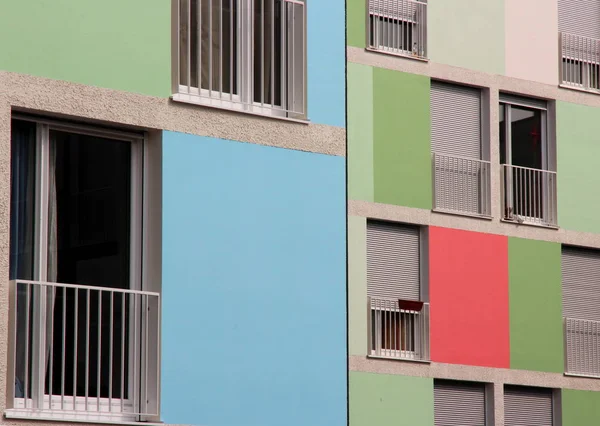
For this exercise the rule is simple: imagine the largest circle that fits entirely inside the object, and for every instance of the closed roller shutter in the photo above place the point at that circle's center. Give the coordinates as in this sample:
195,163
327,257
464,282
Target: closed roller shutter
393,261
581,283
459,404
398,9
455,120
579,17
527,406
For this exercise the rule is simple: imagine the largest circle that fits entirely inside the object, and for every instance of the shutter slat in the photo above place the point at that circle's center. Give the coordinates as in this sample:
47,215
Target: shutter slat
455,120
393,266
459,404
581,283
527,406
579,17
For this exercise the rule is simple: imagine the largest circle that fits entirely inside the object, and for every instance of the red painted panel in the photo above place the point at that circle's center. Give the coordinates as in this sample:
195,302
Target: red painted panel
468,291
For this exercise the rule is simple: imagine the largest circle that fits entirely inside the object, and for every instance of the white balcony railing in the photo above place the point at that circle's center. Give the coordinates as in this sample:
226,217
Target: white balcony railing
529,195
461,185
83,352
582,347
579,62
398,329
399,27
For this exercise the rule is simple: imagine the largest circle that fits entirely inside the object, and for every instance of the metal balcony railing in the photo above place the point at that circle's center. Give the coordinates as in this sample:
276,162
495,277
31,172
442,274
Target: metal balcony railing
242,55
529,195
83,352
399,27
461,185
395,332
579,62
582,347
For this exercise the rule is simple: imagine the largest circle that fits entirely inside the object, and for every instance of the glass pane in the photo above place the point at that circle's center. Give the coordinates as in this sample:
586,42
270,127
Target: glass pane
89,244
526,137
184,40
268,56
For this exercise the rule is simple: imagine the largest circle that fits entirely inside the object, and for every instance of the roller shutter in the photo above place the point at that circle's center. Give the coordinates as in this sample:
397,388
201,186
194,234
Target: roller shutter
459,403
581,283
579,17
527,406
393,266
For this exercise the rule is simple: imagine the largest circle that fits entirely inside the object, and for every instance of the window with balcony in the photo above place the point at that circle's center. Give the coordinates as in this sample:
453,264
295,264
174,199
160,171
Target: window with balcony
84,333
461,174
528,406
242,55
459,403
398,27
398,318
579,34
527,162
581,310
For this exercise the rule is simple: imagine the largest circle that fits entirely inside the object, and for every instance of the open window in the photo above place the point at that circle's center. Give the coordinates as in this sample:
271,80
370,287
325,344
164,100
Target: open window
84,332
526,155
247,56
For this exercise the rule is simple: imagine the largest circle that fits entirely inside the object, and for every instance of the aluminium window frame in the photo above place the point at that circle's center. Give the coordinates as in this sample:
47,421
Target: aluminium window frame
139,211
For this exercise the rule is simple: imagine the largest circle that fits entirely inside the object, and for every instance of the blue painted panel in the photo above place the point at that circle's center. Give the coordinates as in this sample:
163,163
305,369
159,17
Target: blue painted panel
253,285
326,61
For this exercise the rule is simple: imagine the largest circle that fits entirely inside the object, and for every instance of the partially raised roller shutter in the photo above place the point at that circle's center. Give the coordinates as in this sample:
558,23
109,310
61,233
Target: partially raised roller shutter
581,283
393,261
459,403
525,406
579,17
455,120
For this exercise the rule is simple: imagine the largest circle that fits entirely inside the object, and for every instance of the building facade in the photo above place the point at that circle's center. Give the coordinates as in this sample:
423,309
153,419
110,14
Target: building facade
174,210
473,238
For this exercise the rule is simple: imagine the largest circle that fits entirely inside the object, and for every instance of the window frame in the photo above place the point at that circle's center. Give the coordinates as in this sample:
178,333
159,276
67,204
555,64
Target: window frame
138,271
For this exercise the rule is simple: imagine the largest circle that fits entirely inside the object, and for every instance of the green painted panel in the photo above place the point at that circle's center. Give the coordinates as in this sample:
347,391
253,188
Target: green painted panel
580,408
357,285
123,45
535,297
401,139
578,150
380,399
356,22
360,132
473,38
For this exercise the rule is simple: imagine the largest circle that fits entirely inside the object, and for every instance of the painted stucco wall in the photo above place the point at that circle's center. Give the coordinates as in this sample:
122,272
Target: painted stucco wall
580,408
468,291
123,45
531,40
578,149
357,285
356,18
401,139
535,301
467,34
254,286
380,399
360,132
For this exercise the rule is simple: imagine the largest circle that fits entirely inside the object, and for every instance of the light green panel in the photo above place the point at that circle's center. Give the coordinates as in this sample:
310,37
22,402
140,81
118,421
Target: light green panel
380,399
356,23
535,305
401,139
360,132
580,408
578,151
357,285
467,34
117,44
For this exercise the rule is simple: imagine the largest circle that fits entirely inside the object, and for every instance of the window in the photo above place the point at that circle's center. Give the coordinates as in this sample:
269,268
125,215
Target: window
398,26
581,310
528,406
526,155
459,403
242,55
461,176
398,318
85,335
580,44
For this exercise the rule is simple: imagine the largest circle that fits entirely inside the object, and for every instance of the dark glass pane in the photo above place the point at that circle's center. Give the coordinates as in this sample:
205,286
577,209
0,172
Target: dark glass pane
268,51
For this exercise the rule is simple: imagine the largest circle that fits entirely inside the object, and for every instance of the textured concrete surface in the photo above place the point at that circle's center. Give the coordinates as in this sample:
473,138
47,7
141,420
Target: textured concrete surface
61,98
